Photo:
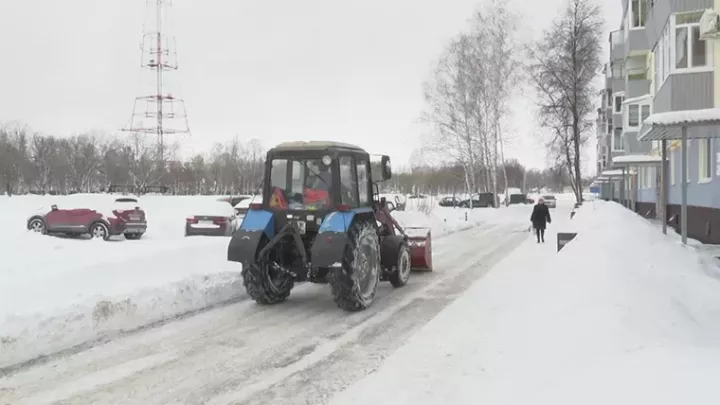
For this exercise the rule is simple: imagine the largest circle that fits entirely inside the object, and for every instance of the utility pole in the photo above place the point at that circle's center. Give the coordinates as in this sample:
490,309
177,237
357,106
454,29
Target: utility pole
152,113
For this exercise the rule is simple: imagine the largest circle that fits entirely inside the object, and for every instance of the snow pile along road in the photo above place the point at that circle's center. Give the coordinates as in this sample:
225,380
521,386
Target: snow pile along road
57,293
621,315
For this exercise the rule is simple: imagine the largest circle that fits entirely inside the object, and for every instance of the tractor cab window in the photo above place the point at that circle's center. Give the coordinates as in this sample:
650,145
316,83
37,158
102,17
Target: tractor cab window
300,184
278,175
363,185
348,183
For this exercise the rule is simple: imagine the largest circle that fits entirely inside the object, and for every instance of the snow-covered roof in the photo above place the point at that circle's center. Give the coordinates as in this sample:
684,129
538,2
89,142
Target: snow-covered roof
679,118
637,99
315,145
611,173
252,200
667,125
213,208
637,160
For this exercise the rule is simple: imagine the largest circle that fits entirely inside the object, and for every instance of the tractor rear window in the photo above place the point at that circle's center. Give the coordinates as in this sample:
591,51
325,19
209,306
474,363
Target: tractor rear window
300,184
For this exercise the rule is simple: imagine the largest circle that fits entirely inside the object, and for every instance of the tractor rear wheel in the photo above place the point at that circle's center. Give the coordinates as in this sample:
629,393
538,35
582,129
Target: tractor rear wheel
355,284
264,283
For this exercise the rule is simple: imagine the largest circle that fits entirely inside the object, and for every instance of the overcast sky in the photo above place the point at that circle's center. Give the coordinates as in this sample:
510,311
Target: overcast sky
275,69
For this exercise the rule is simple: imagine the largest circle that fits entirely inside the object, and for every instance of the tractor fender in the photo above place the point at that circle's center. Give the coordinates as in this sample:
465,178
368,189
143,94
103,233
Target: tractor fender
389,249
329,245
245,242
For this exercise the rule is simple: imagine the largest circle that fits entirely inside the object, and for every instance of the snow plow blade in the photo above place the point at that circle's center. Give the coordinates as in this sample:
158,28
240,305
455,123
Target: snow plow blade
420,241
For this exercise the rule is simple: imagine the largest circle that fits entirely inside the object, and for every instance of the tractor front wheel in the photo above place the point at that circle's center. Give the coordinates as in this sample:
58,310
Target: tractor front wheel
401,275
355,284
266,285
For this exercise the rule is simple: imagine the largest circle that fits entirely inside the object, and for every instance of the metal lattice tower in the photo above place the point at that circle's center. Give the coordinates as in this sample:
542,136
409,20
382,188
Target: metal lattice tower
153,113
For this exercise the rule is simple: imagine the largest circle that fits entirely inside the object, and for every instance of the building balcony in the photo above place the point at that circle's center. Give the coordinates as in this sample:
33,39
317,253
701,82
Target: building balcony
636,83
637,43
631,144
617,45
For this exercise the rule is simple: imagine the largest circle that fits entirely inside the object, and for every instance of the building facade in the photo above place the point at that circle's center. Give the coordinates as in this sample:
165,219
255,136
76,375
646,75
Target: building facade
658,63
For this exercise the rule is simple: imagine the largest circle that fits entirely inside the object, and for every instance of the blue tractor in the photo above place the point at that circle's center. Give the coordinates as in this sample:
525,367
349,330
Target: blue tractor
321,220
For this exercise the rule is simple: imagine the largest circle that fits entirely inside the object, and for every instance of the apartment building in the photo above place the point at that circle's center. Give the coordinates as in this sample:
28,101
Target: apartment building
665,67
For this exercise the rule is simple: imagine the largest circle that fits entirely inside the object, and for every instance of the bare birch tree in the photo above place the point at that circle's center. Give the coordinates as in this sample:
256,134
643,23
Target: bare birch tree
469,93
495,29
449,95
565,62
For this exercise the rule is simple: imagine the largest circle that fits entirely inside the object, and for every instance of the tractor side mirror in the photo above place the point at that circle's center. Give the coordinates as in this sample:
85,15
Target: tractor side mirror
386,167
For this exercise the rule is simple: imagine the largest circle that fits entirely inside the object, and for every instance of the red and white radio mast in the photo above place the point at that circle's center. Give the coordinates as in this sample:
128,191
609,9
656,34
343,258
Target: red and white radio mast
153,114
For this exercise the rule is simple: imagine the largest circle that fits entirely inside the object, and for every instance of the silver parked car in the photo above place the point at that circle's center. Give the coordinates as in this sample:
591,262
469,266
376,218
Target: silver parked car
550,201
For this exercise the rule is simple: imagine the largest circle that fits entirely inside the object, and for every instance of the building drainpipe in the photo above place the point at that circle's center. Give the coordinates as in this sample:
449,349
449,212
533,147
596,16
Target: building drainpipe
684,182
636,182
663,186
622,188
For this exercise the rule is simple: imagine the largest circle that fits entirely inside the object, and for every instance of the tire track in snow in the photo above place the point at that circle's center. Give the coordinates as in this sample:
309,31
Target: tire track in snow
111,336
245,343
359,354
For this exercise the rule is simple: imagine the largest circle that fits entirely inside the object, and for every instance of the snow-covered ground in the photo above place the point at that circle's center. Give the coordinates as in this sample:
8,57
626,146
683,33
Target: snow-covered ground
623,315
56,293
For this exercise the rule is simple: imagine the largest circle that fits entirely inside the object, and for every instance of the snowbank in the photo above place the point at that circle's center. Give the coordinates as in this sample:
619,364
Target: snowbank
66,299
622,315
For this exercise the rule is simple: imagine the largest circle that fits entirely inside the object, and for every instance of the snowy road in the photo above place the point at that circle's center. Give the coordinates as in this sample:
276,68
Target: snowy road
299,352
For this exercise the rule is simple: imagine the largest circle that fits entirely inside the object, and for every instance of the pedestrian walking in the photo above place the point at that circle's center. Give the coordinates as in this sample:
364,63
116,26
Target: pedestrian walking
540,218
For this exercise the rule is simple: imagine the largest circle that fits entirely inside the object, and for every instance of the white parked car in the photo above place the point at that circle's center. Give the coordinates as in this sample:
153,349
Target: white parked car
550,201
212,218
243,206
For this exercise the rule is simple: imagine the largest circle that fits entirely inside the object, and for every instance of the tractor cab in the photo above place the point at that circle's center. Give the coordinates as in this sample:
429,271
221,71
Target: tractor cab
308,180
318,222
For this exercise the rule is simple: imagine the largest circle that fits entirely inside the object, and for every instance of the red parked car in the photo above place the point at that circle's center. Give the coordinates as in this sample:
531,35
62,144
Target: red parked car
128,208
77,221
109,216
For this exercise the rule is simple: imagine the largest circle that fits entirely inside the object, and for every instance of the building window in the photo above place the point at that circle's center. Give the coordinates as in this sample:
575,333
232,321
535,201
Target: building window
704,159
663,57
671,167
656,64
689,148
637,114
619,98
641,177
638,13
647,177
690,50
617,144
633,115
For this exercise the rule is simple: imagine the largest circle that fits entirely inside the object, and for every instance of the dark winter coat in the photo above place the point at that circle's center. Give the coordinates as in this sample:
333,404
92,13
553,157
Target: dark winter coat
540,216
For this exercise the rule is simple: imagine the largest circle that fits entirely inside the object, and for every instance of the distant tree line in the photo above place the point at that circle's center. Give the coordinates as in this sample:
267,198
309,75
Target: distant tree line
45,164
449,179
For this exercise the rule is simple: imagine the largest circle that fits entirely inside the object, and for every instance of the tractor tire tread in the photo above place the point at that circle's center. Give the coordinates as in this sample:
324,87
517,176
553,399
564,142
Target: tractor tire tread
345,292
395,279
259,290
